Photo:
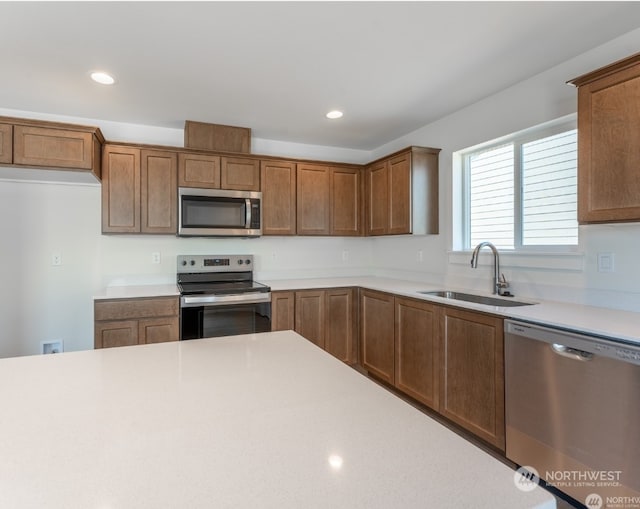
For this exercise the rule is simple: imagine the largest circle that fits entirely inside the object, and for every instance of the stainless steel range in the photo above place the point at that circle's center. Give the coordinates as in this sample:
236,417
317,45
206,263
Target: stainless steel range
220,298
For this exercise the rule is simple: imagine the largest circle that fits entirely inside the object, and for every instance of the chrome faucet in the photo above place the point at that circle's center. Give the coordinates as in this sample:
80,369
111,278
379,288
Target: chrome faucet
499,282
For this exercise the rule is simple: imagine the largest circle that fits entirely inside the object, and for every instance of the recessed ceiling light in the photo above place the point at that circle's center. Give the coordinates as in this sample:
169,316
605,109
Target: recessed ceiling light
103,78
334,114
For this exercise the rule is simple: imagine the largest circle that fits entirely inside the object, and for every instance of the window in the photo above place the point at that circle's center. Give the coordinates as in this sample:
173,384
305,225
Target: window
521,192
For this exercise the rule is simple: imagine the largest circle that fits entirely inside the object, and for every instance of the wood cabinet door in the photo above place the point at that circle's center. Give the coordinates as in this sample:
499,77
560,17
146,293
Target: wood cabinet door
240,173
120,189
472,373
198,170
608,148
6,143
313,205
377,334
53,148
278,180
282,311
400,194
158,330
341,326
116,333
159,192
345,201
416,350
377,189
310,315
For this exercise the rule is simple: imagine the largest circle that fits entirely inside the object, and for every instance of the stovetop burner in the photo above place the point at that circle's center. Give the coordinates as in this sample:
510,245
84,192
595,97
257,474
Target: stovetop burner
217,275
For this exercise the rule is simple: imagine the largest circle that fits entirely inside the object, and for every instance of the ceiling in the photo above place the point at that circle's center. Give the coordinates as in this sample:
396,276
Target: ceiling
278,67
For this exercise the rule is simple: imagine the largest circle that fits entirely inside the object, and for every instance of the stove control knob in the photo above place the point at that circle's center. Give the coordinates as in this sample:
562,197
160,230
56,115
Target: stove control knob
247,261
240,262
192,262
184,262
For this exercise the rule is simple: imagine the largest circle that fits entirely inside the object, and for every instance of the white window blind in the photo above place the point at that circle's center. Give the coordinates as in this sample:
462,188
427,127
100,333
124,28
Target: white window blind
522,193
549,190
491,196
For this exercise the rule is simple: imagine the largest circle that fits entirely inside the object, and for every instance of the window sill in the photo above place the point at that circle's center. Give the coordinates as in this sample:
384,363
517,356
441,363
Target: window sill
566,261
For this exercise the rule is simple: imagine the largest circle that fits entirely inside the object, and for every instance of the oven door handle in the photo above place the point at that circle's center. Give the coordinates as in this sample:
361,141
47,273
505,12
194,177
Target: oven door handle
220,300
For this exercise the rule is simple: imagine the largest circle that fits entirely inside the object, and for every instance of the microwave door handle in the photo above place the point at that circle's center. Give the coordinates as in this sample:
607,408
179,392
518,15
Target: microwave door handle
247,214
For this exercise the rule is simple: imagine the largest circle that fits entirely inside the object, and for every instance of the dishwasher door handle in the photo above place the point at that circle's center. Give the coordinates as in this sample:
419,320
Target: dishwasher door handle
571,353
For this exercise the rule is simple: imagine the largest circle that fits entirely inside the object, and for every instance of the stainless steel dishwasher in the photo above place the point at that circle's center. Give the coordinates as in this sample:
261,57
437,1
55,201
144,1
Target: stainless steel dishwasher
573,412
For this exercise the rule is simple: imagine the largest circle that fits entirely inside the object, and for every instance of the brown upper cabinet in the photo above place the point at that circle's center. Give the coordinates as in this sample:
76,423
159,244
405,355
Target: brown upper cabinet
401,193
328,200
6,143
345,201
608,148
313,189
240,173
139,190
39,144
198,170
278,181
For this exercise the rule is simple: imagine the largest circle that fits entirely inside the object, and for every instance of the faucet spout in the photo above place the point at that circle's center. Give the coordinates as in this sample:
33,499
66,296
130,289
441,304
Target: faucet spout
499,282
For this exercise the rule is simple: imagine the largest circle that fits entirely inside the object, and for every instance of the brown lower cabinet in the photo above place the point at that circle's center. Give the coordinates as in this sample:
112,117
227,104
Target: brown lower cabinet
416,350
448,359
377,334
326,317
126,322
472,373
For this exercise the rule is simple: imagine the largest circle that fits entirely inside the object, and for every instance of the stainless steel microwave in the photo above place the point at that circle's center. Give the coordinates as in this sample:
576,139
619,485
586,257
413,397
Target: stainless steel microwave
219,213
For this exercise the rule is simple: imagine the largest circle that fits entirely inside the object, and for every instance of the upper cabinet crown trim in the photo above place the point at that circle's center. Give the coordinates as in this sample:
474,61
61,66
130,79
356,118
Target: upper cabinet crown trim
607,70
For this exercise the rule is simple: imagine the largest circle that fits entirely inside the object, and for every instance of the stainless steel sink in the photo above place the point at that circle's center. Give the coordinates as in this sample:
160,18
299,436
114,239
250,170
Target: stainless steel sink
478,299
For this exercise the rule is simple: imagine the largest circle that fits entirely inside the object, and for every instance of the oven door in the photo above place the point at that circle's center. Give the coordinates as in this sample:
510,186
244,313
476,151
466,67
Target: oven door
229,315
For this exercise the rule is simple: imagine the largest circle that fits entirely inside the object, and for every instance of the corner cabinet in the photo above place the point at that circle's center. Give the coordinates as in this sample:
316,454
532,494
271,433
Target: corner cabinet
326,317
127,322
401,193
139,190
608,148
328,200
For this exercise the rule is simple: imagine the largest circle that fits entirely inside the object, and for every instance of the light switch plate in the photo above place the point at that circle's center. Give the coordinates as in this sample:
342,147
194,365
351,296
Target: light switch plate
606,262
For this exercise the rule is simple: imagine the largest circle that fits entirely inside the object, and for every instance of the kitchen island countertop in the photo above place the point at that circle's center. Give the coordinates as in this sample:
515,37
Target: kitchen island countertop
264,420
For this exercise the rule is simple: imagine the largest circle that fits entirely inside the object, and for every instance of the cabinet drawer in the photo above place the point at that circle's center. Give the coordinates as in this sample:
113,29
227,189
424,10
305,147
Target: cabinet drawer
56,148
125,309
6,143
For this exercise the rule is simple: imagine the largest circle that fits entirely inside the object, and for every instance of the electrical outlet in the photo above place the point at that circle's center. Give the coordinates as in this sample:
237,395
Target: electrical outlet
419,256
54,346
345,256
155,257
56,259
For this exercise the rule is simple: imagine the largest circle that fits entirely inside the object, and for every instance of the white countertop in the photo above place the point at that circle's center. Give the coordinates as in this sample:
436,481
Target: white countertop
612,323
237,422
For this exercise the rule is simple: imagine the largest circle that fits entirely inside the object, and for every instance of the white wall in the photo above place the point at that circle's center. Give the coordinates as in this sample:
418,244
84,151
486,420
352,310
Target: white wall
540,99
41,302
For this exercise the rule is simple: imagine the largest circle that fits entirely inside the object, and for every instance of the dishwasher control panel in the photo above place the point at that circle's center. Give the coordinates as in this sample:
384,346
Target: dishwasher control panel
575,343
